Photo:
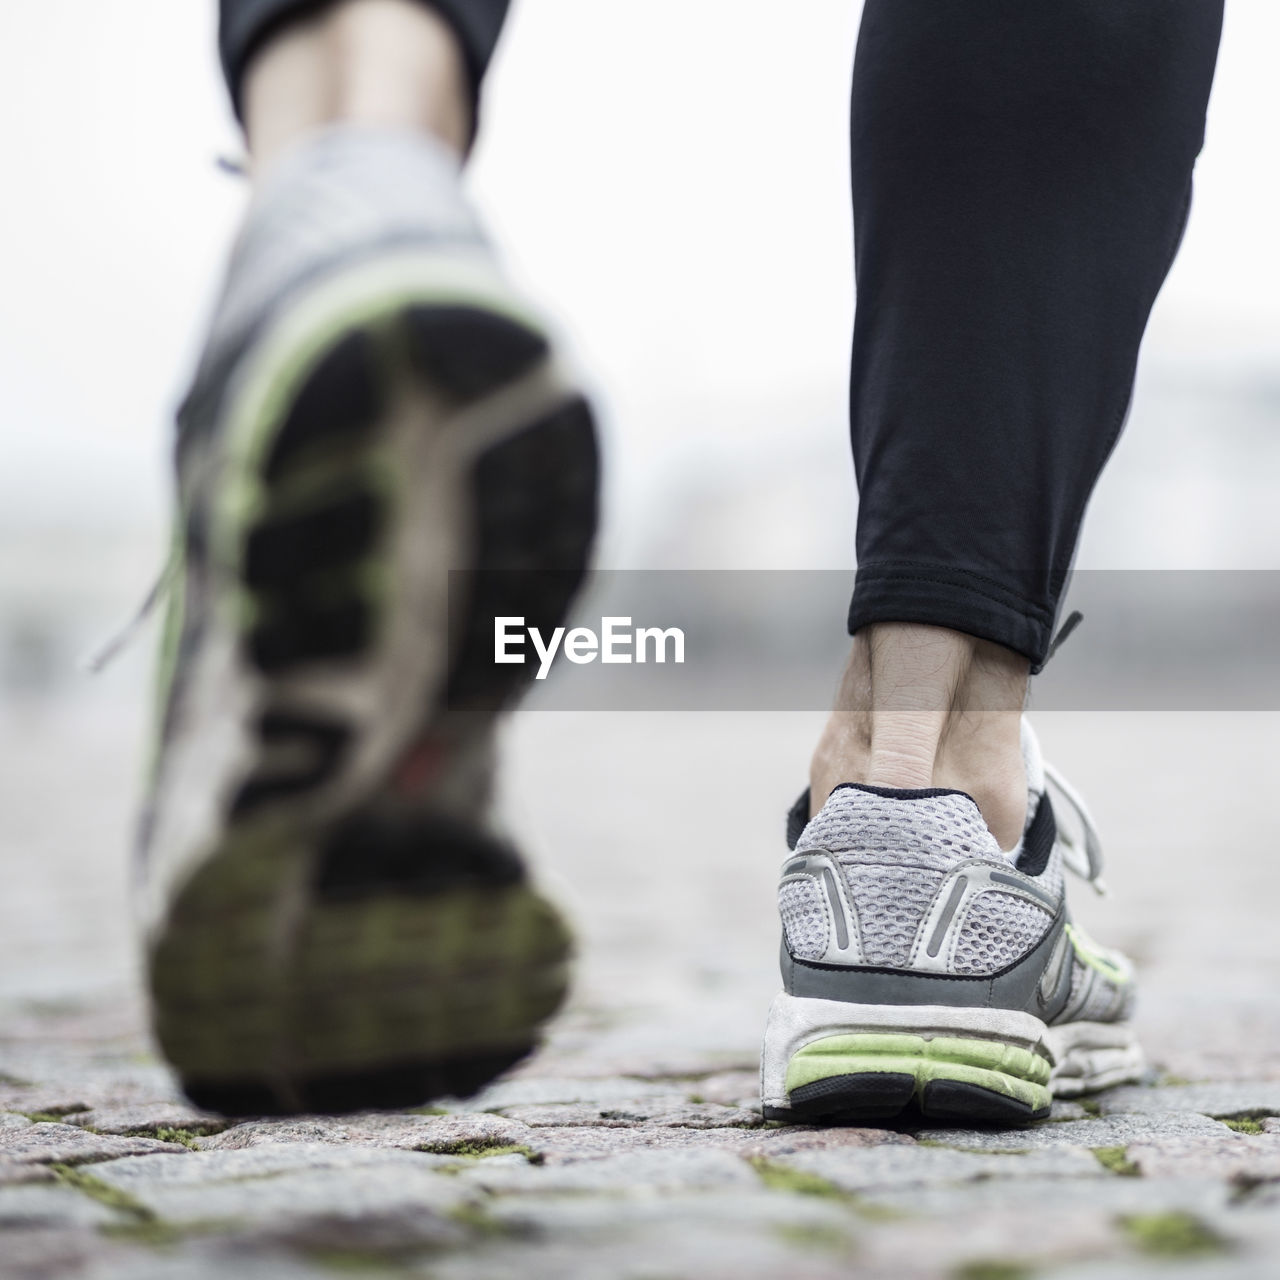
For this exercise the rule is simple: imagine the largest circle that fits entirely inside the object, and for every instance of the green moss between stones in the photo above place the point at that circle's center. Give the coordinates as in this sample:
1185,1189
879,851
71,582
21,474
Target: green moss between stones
354,1261
476,1220
954,1146
781,1177
479,1149
1114,1160
826,1239
873,1212
1090,1106
149,1232
1172,1235
103,1192
185,1137
992,1269
57,1115
1244,1124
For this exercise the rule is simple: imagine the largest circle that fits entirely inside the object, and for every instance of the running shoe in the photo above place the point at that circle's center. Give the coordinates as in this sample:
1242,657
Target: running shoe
927,972
379,455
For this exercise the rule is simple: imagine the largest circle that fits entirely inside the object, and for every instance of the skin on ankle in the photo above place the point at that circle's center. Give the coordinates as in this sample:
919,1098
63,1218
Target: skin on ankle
388,63
922,706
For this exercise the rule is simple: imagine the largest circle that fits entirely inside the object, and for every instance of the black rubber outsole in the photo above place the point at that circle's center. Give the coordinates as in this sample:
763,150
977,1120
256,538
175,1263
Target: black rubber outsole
879,1097
534,497
368,854
390,1088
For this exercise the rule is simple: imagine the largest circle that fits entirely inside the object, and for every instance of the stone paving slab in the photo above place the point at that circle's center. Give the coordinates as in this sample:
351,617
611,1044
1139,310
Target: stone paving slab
574,1142
1237,1157
541,1091
147,1117
207,1168
1109,1131
644,1172
380,1189
715,1234
750,1208
1216,1267
1265,1194
13,1174
876,1168
674,1113
34,1099
52,1206
46,1143
730,1089
1106,1193
207,1259
992,1234
72,1085
1224,1099
1248,1221
778,1141
52,1253
632,1147
1045,1224
704,1252
441,1134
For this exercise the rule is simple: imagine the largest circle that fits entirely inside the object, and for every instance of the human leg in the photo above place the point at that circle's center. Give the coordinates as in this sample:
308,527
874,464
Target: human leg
378,453
377,63
1021,178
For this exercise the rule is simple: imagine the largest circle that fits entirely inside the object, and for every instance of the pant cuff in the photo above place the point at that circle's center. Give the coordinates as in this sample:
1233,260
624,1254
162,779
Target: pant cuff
952,598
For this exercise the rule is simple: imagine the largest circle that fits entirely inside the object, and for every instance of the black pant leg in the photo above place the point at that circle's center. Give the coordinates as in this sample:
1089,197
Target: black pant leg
243,24
1021,179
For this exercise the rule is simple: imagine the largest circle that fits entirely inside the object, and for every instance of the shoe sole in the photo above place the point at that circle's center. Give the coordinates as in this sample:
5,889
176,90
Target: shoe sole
314,952
827,1061
1089,1056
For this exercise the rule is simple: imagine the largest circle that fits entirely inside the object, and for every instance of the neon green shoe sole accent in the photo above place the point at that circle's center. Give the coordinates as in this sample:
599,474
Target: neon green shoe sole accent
990,1064
254,977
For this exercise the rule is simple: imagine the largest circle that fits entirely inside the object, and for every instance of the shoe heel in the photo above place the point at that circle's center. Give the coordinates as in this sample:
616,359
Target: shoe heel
367,978
948,1078
829,1059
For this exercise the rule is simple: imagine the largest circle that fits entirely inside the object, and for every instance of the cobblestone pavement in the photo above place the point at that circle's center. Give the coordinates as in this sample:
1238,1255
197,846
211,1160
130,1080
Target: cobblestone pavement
633,1145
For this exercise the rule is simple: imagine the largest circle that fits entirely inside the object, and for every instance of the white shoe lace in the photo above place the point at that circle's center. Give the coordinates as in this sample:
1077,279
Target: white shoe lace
1081,848
100,658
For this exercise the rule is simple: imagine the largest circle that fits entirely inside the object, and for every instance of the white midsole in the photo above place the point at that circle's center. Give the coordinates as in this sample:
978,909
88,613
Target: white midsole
795,1021
1093,1055
1084,1055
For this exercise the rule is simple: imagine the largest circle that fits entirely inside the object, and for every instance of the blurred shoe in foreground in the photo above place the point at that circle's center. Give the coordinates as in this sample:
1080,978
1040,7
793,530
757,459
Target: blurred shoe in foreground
926,971
331,922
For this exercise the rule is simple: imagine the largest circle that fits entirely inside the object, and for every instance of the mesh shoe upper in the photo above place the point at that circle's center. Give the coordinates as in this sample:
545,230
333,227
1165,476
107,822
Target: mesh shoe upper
899,854
344,193
913,882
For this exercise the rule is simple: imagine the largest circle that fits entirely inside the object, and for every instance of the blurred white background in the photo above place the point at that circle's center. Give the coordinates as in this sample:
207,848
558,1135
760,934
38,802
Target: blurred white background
669,178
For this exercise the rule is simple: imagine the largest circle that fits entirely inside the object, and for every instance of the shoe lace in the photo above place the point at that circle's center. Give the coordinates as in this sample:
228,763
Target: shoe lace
1081,848
100,658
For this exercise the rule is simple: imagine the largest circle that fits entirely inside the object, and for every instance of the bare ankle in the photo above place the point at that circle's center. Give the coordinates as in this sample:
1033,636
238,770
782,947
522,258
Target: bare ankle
389,63
921,706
